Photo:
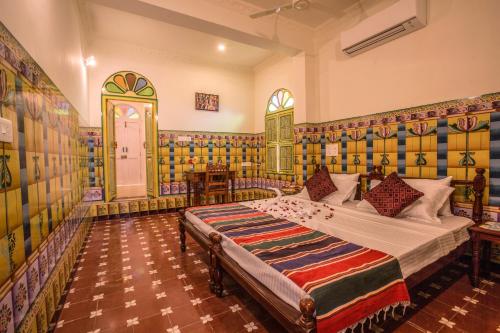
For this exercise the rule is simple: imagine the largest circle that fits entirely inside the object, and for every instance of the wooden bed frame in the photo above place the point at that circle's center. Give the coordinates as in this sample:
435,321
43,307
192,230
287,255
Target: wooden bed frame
304,320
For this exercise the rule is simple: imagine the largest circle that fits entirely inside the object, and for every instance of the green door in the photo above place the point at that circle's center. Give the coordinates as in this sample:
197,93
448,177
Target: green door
109,152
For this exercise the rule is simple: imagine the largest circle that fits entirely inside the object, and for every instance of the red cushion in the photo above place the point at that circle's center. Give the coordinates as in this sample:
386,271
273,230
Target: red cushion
320,185
392,195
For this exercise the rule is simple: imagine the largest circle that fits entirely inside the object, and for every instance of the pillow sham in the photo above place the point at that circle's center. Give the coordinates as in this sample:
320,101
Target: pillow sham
391,196
337,198
346,178
427,185
303,194
426,208
374,182
320,185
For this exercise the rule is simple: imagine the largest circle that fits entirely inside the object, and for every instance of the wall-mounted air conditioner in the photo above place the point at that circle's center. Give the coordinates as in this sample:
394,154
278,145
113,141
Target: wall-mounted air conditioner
398,20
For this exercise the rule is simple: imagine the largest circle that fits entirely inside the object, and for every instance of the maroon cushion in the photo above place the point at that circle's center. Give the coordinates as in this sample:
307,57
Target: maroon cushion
320,185
392,195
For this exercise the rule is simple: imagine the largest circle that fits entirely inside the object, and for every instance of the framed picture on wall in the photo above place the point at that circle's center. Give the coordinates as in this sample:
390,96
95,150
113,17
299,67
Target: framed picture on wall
206,102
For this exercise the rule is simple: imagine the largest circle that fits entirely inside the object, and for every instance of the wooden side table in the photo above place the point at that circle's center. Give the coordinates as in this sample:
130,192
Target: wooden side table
478,235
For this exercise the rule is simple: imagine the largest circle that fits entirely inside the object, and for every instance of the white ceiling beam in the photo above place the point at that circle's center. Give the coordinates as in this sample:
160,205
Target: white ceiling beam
217,20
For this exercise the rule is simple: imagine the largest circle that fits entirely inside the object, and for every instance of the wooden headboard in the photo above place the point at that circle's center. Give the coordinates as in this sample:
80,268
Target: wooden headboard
478,185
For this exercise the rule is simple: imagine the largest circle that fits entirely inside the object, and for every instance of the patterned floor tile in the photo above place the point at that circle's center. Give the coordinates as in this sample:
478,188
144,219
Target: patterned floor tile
132,277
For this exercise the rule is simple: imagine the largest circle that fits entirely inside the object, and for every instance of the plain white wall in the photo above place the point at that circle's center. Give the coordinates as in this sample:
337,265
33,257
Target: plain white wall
51,33
293,73
455,56
176,80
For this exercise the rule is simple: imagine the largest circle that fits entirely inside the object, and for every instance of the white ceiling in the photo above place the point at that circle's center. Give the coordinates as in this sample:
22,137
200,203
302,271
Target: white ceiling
318,13
108,23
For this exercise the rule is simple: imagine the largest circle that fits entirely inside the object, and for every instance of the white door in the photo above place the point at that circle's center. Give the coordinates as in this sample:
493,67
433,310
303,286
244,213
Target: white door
130,152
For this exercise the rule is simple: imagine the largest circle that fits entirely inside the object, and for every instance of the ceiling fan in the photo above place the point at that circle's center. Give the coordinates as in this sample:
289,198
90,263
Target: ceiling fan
297,5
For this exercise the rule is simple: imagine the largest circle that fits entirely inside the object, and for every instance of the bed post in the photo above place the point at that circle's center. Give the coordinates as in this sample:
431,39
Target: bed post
182,230
307,309
215,268
376,173
317,168
478,185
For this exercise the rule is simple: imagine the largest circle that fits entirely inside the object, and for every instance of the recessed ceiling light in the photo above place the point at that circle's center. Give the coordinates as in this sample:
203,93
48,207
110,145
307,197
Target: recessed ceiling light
90,61
221,47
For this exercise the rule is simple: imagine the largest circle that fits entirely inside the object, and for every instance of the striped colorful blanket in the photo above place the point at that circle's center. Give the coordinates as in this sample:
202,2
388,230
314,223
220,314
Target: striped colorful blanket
348,283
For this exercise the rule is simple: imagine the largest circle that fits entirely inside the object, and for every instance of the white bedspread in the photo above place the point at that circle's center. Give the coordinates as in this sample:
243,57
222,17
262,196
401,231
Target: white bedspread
414,244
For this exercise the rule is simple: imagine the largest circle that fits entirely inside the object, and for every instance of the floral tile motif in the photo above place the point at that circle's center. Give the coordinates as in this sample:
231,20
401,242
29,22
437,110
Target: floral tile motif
20,298
176,299
7,314
43,266
51,259
57,244
33,276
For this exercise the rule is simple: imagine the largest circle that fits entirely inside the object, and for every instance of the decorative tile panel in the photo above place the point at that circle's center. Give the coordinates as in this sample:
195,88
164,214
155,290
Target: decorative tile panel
6,310
33,279
20,297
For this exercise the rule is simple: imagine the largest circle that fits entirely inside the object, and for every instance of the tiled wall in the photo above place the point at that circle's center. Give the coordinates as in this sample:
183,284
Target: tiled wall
232,148
444,139
43,176
237,149
92,138
448,138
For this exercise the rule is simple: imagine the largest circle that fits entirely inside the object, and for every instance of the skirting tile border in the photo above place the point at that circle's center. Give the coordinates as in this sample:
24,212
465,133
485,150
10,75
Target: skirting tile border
31,295
129,208
55,284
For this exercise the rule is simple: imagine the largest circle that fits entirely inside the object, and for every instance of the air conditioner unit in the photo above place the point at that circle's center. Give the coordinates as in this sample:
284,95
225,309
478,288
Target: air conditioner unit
398,20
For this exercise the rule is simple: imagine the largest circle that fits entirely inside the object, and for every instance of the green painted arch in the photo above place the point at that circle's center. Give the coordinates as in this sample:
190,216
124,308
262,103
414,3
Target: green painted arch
130,84
281,99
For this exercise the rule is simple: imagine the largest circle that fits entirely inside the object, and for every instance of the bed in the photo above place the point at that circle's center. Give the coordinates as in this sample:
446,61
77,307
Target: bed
420,249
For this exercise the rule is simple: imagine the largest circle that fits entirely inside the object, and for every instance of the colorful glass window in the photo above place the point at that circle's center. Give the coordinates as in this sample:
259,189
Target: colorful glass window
279,132
126,111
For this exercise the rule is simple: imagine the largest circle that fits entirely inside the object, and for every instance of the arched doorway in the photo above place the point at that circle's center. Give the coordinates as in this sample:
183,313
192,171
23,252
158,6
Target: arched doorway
129,98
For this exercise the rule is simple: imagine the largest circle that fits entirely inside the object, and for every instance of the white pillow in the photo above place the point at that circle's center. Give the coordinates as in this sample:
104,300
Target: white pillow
367,207
424,184
303,194
344,189
446,209
344,176
424,209
374,182
342,194
336,177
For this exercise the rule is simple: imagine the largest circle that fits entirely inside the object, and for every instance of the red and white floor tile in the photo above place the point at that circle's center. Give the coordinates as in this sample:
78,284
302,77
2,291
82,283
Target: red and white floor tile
132,277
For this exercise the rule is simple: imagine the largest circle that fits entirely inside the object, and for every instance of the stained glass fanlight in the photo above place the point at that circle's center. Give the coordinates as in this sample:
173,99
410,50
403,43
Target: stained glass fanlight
129,84
281,99
125,110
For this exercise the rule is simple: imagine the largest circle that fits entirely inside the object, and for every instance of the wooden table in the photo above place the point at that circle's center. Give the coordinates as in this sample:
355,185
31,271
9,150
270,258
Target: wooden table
193,181
478,235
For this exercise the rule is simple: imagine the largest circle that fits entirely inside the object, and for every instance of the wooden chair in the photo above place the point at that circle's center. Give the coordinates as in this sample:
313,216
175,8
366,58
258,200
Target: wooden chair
217,182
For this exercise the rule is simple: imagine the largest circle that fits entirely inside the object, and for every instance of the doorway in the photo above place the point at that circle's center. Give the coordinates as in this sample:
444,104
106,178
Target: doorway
130,136
130,149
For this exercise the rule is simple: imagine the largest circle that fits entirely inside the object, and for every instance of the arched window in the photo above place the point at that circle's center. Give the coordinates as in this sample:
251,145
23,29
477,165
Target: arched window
279,132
